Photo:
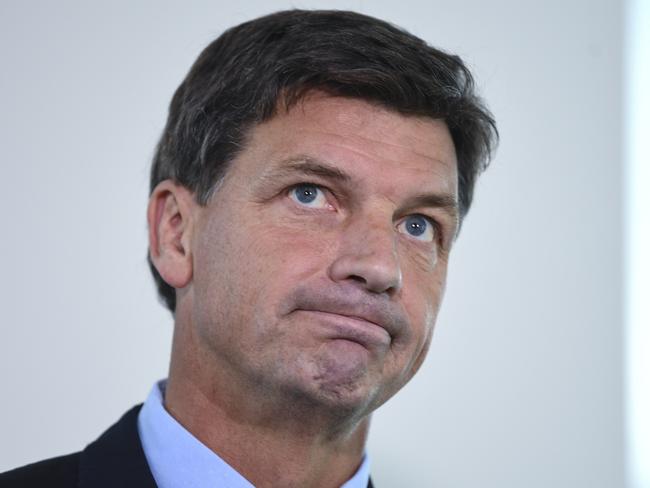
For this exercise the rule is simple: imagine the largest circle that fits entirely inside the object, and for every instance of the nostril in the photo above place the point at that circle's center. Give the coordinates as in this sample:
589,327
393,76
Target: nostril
376,280
358,279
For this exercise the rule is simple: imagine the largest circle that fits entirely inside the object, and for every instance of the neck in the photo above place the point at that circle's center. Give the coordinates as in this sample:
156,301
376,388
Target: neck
295,442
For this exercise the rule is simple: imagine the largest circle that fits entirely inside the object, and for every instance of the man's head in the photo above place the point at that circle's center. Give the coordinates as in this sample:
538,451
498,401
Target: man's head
244,76
310,181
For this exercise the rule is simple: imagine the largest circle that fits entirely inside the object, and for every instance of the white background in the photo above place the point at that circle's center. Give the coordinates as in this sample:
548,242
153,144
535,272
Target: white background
523,386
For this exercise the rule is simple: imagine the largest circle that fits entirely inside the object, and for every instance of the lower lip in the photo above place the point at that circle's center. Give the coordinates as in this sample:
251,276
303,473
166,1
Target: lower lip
368,334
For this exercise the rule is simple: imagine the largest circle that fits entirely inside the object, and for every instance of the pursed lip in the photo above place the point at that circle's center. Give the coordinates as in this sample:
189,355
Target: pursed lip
351,311
352,327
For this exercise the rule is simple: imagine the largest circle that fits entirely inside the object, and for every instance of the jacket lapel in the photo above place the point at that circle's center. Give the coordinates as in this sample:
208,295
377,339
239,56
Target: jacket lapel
116,458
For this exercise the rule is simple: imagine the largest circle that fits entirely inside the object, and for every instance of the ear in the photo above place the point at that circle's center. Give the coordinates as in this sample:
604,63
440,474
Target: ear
170,217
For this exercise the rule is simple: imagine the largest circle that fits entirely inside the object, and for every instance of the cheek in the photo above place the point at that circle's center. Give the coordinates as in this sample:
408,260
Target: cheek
422,297
424,287
289,247
256,263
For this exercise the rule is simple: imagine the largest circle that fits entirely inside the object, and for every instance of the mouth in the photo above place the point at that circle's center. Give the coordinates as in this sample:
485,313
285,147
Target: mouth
339,326
348,313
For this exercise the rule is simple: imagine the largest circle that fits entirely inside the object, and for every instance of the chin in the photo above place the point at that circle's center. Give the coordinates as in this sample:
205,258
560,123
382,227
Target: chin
342,384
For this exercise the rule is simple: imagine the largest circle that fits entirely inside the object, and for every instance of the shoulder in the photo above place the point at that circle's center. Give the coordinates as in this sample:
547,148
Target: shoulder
57,472
115,459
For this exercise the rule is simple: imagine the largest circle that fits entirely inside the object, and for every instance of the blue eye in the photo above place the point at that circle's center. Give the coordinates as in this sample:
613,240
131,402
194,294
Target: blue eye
417,226
308,195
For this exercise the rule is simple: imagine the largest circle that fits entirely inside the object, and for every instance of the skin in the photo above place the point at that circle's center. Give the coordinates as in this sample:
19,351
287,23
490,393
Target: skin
296,320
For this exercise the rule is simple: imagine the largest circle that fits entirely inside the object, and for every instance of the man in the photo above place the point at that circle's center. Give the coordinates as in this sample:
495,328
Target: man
305,195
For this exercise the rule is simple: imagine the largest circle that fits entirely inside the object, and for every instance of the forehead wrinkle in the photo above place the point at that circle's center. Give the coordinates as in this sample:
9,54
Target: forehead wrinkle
385,121
350,146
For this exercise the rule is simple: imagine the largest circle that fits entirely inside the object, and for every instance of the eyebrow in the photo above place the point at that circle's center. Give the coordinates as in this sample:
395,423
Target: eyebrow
308,166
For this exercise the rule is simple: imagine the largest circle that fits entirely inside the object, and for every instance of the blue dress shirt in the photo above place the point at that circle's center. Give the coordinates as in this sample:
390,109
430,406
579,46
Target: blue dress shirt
177,459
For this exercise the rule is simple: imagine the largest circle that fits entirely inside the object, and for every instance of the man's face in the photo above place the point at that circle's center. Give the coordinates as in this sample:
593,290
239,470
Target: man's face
319,263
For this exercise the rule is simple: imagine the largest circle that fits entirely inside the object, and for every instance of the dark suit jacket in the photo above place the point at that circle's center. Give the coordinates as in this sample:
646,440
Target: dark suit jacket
115,460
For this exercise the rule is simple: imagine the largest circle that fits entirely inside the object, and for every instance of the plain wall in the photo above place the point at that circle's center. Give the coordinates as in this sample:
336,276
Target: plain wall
523,384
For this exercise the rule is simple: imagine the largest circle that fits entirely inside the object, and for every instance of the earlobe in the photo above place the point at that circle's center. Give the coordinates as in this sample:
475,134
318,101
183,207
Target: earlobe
169,217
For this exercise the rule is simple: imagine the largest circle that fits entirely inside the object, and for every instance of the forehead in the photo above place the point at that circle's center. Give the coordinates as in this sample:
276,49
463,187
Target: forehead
369,143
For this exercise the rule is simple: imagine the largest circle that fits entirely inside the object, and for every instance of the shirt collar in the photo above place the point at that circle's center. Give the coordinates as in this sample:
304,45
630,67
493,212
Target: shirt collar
178,459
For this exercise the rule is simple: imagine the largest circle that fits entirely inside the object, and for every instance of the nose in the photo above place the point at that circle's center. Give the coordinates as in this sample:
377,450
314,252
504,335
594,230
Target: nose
367,255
